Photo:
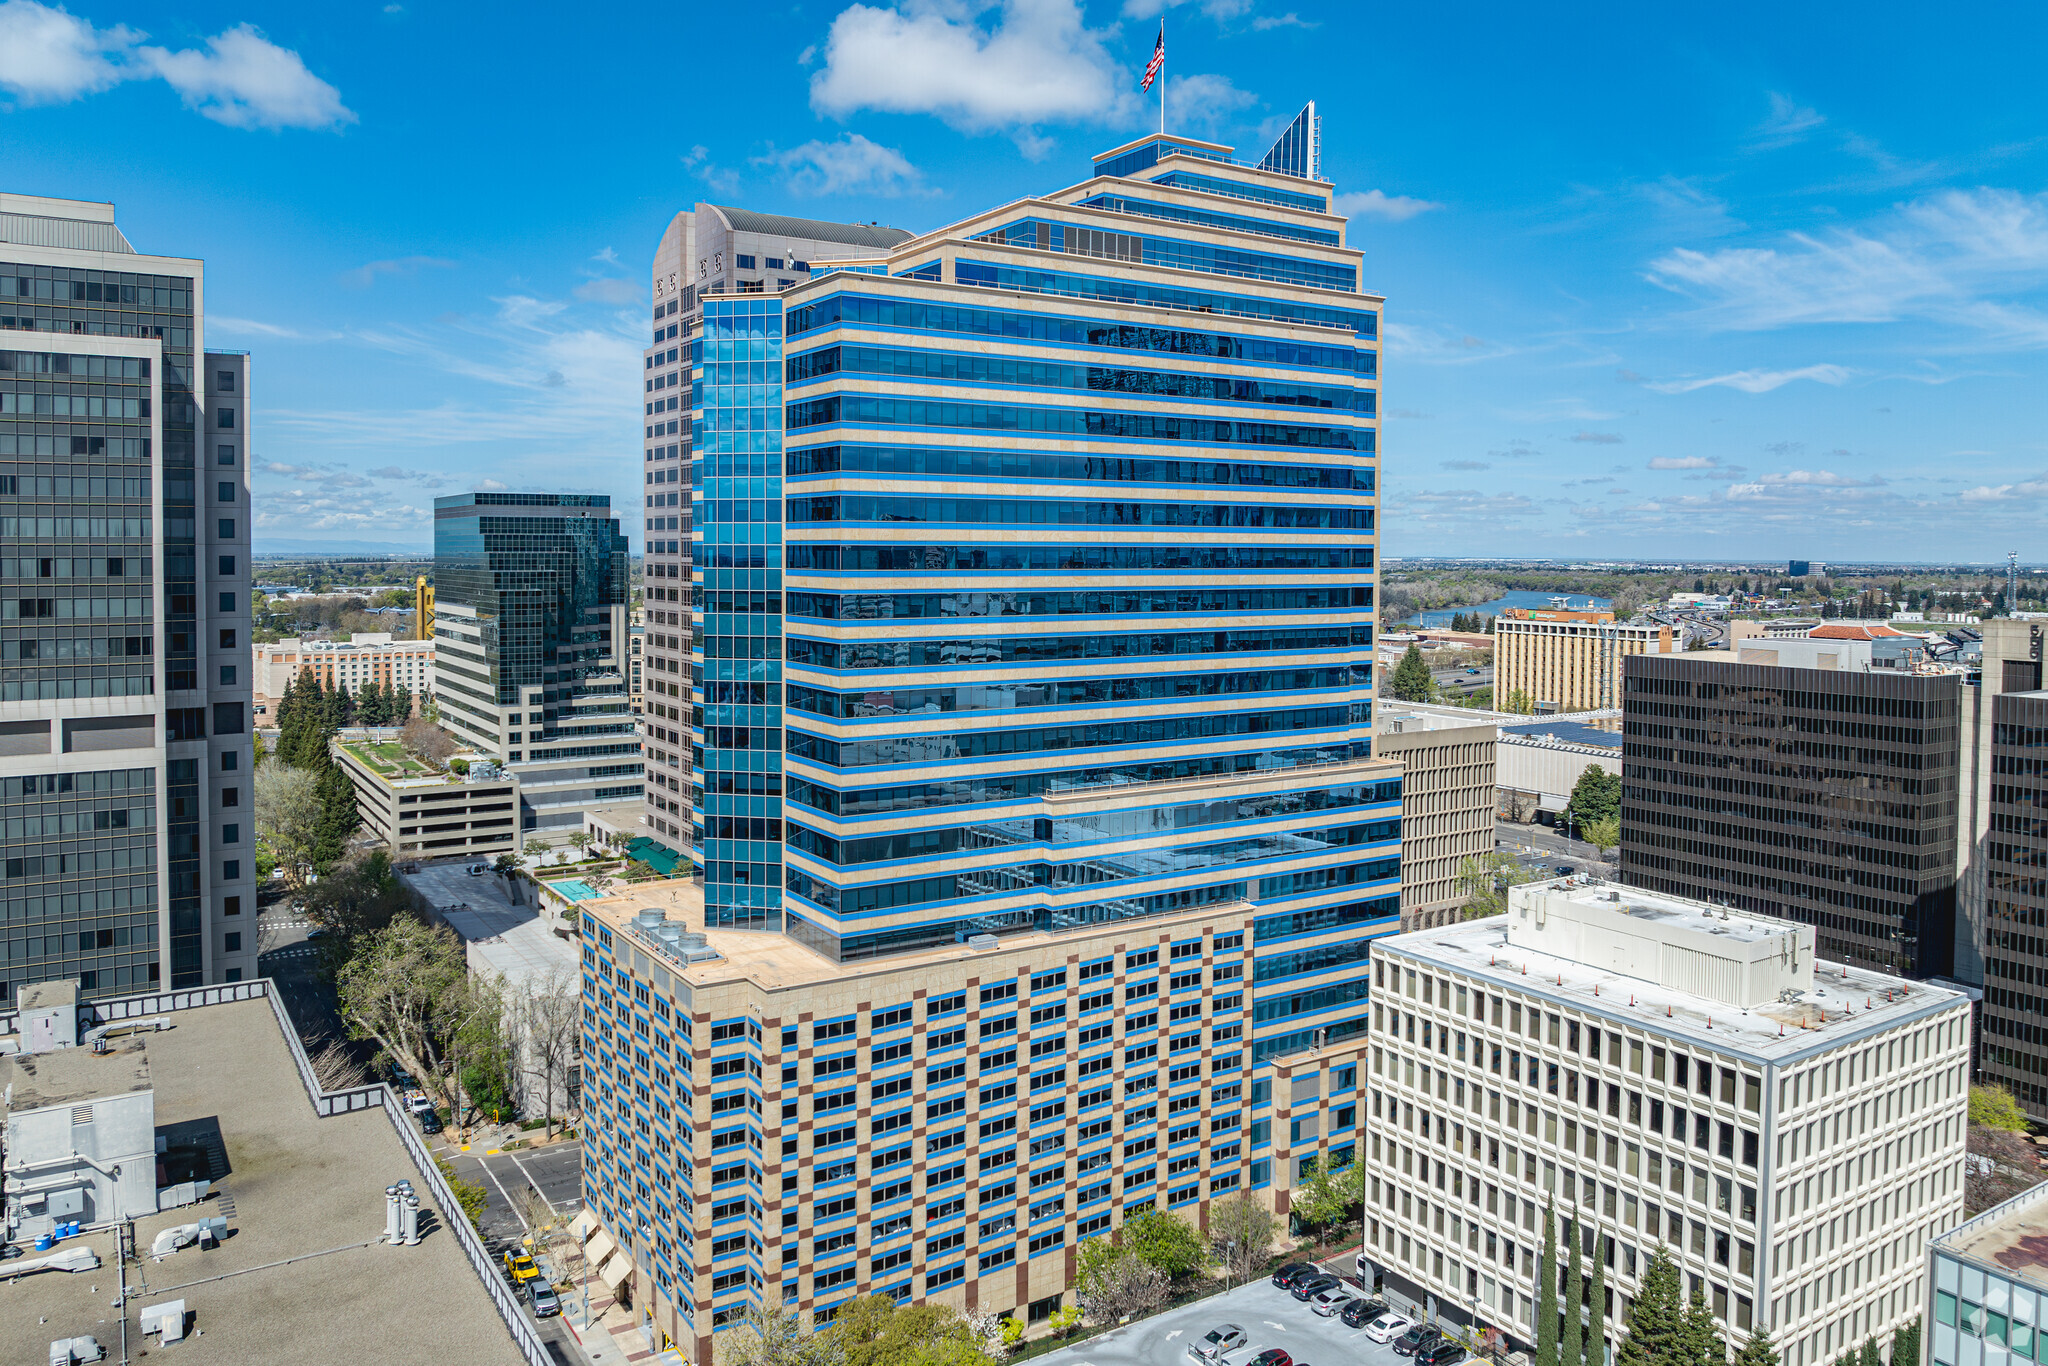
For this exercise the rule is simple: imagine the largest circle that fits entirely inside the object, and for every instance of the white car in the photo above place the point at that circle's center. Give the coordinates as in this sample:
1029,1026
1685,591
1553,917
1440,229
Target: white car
1387,1327
1330,1303
418,1102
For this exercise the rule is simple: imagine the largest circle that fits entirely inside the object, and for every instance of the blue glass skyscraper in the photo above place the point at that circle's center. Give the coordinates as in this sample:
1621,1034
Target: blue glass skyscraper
1033,569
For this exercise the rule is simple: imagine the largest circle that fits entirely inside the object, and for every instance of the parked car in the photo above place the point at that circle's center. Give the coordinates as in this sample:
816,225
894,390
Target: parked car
1224,1337
519,1266
1329,1303
1272,1356
479,869
1285,1276
317,932
546,1303
417,1100
1419,1338
1308,1287
1359,1313
1387,1327
1443,1352
1564,870
430,1123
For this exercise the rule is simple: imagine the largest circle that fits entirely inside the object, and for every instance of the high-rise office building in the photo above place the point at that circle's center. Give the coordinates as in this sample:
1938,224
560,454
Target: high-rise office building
1823,796
1031,566
1672,1076
125,746
709,253
2002,928
529,647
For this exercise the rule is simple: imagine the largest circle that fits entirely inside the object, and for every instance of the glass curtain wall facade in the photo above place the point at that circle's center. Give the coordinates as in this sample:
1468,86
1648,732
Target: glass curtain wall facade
1076,498
124,739
529,626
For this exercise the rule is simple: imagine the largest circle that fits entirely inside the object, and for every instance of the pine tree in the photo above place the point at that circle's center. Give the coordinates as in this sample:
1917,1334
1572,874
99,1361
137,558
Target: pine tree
1869,1355
1655,1318
1571,1349
1596,1308
401,705
370,704
1546,1291
1906,1344
1758,1351
338,817
1700,1336
344,707
1412,679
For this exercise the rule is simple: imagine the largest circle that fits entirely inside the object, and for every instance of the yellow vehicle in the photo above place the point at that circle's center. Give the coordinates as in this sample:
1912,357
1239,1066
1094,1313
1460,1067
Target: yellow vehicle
519,1266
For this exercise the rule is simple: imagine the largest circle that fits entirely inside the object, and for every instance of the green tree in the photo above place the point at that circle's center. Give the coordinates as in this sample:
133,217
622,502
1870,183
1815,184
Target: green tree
1596,1305
1241,1230
1485,881
1993,1107
772,1335
1413,681
1602,832
1114,1283
1571,1348
1547,1353
1905,1345
1655,1319
1699,1337
468,1194
1758,1351
1869,1355
1520,702
401,705
1596,796
338,815
1167,1241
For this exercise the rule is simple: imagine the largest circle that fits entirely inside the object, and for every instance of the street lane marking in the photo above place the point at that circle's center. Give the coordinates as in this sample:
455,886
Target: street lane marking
1276,1327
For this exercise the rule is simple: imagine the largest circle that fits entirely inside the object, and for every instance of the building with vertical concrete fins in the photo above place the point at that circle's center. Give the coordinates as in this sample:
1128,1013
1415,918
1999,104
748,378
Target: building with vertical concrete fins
127,821
1011,602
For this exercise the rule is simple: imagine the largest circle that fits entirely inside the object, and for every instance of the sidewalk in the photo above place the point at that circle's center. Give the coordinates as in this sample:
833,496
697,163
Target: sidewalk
613,1335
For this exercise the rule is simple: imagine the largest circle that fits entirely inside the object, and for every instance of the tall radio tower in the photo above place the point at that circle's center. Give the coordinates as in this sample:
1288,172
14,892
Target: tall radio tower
2012,582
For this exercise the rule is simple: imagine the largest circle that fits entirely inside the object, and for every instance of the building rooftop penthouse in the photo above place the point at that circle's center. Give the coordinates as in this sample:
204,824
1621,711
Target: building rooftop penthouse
1748,983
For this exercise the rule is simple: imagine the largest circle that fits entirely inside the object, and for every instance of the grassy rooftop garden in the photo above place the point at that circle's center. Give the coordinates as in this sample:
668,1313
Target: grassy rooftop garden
388,759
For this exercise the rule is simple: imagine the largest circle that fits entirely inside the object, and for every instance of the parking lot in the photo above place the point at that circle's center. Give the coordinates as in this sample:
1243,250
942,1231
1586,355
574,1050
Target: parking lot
1271,1316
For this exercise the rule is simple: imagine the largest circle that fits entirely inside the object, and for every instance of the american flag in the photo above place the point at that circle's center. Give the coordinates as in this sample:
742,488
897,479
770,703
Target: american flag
1158,62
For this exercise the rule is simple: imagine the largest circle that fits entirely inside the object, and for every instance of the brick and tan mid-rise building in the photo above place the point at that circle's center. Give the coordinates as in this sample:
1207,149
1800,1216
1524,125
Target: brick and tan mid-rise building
371,657
1569,661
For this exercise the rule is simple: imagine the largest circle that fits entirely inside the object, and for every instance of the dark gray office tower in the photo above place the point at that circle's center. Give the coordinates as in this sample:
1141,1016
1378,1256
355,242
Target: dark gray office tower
126,812
1819,796
529,645
2001,943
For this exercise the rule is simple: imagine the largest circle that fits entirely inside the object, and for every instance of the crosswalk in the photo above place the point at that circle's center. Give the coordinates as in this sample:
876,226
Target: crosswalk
296,951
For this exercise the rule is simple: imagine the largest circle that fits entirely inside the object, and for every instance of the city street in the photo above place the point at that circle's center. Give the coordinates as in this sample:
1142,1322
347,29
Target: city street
1544,848
556,1170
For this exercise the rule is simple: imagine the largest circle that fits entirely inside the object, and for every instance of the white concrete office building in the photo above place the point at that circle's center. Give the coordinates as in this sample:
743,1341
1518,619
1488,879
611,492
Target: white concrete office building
1790,1131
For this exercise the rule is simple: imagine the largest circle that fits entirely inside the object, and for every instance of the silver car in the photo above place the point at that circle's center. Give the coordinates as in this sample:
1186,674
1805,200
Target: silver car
1214,1344
1330,1303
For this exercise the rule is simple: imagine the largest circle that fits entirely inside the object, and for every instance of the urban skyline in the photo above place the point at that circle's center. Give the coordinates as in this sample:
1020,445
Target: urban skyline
1793,309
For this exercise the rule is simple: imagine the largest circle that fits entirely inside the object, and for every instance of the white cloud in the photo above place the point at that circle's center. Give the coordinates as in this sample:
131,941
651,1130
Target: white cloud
1598,438
246,81
1201,102
851,165
1684,462
1036,62
365,275
1758,381
1962,258
236,326
608,291
1788,122
50,56
1397,208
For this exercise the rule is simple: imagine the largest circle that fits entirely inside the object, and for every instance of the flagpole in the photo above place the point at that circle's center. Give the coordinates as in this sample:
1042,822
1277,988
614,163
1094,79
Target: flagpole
1162,75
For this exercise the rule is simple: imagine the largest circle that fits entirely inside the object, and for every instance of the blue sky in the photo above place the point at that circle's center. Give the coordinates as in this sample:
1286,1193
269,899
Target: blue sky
1747,281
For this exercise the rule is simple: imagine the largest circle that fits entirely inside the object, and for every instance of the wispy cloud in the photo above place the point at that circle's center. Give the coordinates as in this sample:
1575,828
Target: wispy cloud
1757,381
1598,438
1975,261
1683,462
851,164
1787,123
1464,465
366,274
1397,208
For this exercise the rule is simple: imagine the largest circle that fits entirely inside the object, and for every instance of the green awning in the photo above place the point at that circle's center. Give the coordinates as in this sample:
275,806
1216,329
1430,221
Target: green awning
657,855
